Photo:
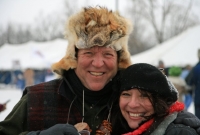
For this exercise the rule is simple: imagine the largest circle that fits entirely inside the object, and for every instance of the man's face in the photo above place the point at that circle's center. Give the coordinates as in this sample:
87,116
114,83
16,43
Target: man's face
96,66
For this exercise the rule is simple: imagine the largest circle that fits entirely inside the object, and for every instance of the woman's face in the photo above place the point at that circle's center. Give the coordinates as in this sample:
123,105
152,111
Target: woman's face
133,105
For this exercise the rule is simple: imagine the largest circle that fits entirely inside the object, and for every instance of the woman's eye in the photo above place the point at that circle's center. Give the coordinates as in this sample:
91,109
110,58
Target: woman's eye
125,94
144,95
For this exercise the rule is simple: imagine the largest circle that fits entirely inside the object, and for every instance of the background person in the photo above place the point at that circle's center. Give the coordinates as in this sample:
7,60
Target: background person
178,82
148,104
29,77
193,79
161,65
188,98
185,71
2,107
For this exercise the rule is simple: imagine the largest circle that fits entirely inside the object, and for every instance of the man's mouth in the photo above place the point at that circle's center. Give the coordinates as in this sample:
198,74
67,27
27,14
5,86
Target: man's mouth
96,73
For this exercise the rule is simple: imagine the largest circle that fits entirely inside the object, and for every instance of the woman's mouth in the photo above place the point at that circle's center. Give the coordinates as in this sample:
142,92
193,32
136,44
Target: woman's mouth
136,114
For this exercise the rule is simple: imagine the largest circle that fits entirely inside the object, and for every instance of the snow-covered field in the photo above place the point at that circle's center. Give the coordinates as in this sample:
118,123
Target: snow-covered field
14,96
11,94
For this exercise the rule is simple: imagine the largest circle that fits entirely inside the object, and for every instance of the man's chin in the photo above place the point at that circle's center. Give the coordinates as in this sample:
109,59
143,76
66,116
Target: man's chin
96,87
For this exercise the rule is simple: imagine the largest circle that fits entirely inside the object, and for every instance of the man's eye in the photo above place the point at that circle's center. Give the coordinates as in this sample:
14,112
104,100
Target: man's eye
88,53
109,54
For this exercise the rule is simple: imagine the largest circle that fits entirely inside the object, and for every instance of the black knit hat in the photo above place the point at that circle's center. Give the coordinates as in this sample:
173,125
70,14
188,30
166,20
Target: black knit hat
149,78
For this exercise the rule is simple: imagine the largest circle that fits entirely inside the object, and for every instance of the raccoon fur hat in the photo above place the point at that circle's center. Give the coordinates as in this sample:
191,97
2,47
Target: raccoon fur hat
95,27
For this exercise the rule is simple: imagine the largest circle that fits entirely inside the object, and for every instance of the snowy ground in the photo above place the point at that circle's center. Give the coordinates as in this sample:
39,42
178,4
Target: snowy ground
14,96
11,94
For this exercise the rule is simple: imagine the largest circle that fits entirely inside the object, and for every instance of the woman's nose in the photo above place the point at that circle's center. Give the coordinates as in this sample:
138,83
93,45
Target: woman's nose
134,102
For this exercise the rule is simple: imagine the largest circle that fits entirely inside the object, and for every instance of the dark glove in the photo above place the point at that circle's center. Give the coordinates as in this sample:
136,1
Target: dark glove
58,129
188,119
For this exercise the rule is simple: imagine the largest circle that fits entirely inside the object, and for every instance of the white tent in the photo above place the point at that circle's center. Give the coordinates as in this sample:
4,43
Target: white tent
37,55
178,51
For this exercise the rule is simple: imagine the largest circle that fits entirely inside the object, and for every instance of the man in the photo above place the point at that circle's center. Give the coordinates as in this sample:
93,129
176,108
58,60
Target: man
193,79
97,50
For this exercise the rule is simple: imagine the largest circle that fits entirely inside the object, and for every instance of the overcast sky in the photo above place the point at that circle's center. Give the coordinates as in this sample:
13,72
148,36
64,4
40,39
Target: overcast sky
25,11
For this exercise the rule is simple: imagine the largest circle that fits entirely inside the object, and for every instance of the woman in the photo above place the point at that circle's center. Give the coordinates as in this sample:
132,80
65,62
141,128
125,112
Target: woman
148,104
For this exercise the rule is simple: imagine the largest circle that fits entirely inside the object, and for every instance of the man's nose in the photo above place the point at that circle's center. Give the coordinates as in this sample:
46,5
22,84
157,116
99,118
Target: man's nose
98,61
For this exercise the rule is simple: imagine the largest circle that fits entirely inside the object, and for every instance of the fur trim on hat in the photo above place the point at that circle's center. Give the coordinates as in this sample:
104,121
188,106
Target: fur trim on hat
95,27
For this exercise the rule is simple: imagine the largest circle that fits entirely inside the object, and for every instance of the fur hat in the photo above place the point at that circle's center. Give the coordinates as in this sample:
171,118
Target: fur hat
95,27
148,78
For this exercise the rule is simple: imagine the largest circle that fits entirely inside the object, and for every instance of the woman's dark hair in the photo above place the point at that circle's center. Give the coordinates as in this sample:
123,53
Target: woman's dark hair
119,124
160,104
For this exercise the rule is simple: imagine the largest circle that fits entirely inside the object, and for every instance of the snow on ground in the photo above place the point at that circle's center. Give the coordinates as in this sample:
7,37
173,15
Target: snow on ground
191,108
14,96
11,94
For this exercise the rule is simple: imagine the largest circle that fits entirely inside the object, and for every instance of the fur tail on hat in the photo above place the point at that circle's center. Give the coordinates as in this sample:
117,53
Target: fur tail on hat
64,63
